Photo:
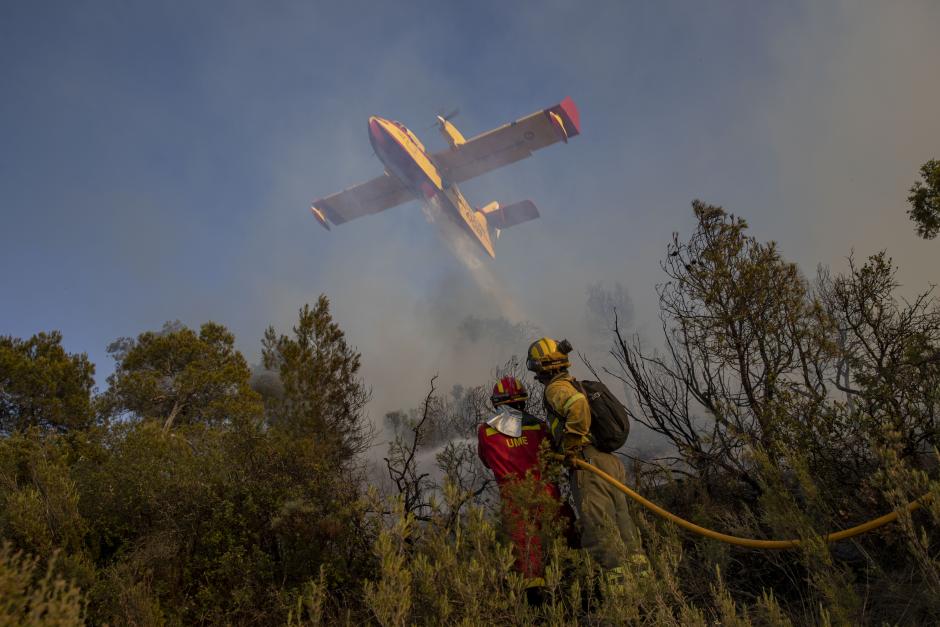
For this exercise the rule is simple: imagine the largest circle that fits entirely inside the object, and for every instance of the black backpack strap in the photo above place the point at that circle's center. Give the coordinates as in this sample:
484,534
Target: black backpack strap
529,420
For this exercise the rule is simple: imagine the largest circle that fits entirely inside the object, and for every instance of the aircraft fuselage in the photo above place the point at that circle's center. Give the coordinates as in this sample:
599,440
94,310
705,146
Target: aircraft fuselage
405,158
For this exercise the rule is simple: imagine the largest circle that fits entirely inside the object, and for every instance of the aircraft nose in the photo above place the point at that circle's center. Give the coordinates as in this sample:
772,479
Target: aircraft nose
376,132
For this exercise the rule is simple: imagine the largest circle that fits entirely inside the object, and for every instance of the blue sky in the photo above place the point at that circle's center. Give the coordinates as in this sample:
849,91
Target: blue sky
158,159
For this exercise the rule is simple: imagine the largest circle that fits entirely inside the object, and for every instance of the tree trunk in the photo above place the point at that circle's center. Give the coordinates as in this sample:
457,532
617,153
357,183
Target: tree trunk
173,413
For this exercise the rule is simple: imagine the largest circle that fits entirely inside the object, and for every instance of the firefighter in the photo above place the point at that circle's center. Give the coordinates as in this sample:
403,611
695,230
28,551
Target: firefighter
601,508
508,444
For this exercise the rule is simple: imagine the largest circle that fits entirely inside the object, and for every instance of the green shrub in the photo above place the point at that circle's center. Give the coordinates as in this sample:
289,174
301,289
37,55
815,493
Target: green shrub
29,596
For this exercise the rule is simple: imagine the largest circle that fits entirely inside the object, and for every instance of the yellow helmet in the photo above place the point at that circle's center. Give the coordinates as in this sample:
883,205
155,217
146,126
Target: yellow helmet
546,355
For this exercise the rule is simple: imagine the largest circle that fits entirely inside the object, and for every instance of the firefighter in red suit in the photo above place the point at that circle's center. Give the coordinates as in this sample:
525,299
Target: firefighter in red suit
508,444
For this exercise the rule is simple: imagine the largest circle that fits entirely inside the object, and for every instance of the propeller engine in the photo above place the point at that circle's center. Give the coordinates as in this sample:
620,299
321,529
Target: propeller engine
448,130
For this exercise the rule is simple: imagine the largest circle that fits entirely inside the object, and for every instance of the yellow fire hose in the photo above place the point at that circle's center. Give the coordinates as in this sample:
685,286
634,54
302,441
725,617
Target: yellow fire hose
746,542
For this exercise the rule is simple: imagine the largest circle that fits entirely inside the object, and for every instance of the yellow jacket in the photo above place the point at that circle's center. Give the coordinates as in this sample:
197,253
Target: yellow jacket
569,415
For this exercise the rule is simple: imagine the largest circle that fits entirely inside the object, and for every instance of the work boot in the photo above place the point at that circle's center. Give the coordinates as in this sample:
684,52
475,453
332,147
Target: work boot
536,596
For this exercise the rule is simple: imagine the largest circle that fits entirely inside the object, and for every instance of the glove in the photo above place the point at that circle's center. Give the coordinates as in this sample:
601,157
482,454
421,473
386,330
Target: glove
572,444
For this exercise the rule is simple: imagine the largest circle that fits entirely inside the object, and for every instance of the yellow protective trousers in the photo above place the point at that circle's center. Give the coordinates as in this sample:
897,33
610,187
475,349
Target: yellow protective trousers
603,515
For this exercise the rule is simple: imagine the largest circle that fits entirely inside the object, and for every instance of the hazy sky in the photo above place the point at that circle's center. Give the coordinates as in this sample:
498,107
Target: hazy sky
157,159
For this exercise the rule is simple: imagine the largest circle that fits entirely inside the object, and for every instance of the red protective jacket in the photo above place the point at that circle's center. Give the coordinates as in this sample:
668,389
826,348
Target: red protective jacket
511,460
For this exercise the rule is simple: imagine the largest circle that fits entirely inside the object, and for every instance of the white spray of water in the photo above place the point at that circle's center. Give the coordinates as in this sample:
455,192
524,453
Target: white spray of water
426,459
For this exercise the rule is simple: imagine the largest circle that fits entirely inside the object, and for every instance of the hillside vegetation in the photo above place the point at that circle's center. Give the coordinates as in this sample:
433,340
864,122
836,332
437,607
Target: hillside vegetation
196,491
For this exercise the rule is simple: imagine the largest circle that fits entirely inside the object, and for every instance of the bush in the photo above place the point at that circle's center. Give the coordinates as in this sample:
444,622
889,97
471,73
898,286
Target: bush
795,408
29,597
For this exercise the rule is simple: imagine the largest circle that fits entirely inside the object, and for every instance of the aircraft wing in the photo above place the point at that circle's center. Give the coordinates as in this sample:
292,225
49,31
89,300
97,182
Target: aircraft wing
509,143
381,193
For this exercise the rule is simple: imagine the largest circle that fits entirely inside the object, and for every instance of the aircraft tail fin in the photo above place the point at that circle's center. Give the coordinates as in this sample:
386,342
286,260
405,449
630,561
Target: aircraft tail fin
499,218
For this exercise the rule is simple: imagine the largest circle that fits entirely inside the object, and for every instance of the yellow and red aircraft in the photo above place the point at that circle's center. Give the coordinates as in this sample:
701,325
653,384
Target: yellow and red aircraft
411,172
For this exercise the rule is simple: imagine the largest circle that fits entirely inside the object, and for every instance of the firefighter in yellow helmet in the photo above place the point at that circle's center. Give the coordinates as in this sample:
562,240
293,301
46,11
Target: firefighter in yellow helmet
602,509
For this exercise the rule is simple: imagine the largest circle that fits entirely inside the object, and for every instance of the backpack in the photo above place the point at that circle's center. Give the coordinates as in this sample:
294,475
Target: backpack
610,423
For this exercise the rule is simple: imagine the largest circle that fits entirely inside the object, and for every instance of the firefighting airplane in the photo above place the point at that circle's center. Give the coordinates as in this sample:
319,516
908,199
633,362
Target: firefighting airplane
413,173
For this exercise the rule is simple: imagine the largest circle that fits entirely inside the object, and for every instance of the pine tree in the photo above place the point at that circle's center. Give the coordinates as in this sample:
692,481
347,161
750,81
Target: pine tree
178,377
321,393
43,386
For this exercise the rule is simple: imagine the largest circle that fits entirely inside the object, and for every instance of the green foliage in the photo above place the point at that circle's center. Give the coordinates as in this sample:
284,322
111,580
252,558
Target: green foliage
458,571
747,343
39,509
216,525
179,377
795,408
30,598
771,361
320,393
219,519
890,358
925,200
188,507
794,390
43,386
